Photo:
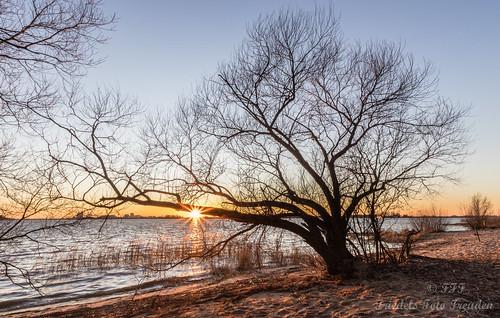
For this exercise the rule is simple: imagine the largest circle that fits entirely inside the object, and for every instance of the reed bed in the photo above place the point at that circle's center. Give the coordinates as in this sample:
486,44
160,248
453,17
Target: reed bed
161,255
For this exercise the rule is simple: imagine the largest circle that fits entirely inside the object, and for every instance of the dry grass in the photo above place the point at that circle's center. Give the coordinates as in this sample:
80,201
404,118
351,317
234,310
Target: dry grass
247,256
161,255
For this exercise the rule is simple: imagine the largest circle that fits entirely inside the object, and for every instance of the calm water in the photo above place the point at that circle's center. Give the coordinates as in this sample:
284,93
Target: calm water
88,241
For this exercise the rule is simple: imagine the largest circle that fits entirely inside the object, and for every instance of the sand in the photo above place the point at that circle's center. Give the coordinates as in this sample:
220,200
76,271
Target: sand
449,275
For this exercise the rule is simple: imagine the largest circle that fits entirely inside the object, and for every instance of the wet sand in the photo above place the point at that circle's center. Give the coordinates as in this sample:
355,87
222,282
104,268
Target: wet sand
449,275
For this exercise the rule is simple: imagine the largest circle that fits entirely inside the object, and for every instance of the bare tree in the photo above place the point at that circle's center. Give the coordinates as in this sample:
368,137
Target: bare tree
301,131
477,211
44,46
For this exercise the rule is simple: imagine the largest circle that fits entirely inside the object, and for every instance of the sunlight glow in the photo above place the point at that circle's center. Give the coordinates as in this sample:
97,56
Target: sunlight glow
195,213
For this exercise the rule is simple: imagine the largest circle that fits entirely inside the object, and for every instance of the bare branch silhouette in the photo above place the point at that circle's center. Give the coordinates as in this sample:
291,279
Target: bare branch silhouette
45,46
301,131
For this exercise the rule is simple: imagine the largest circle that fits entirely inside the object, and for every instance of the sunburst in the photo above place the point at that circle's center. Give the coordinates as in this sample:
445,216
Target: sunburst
195,214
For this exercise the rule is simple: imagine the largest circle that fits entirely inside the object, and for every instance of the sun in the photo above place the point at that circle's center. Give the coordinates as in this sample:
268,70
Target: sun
195,213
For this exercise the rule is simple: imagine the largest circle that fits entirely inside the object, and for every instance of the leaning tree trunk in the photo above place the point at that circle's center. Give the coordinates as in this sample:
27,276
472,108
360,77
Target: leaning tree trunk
336,255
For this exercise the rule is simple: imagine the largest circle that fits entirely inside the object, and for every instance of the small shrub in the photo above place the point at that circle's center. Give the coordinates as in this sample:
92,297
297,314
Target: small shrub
220,269
392,236
429,222
276,255
298,257
248,257
493,222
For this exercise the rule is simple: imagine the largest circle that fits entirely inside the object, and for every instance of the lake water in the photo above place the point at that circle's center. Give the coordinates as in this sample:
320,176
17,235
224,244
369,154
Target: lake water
94,258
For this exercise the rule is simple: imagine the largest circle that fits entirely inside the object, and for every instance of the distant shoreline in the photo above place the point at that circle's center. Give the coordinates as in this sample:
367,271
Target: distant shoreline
211,217
101,218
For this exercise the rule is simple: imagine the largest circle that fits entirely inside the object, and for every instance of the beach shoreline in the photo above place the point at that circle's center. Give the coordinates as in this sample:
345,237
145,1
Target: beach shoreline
450,274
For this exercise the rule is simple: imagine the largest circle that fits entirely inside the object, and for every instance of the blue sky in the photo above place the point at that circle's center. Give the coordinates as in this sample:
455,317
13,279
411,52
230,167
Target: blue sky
160,50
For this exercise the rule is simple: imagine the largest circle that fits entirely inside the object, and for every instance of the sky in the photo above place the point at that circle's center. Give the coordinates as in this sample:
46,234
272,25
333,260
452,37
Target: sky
160,50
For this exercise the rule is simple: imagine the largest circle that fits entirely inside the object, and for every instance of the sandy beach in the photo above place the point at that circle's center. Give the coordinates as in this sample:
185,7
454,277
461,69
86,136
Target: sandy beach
449,275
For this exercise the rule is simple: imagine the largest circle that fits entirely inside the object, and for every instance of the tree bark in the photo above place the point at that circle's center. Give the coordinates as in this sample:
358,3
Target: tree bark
337,257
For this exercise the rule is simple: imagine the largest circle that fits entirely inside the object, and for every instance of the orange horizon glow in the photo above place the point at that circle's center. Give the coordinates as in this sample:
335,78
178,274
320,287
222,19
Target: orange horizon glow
447,205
